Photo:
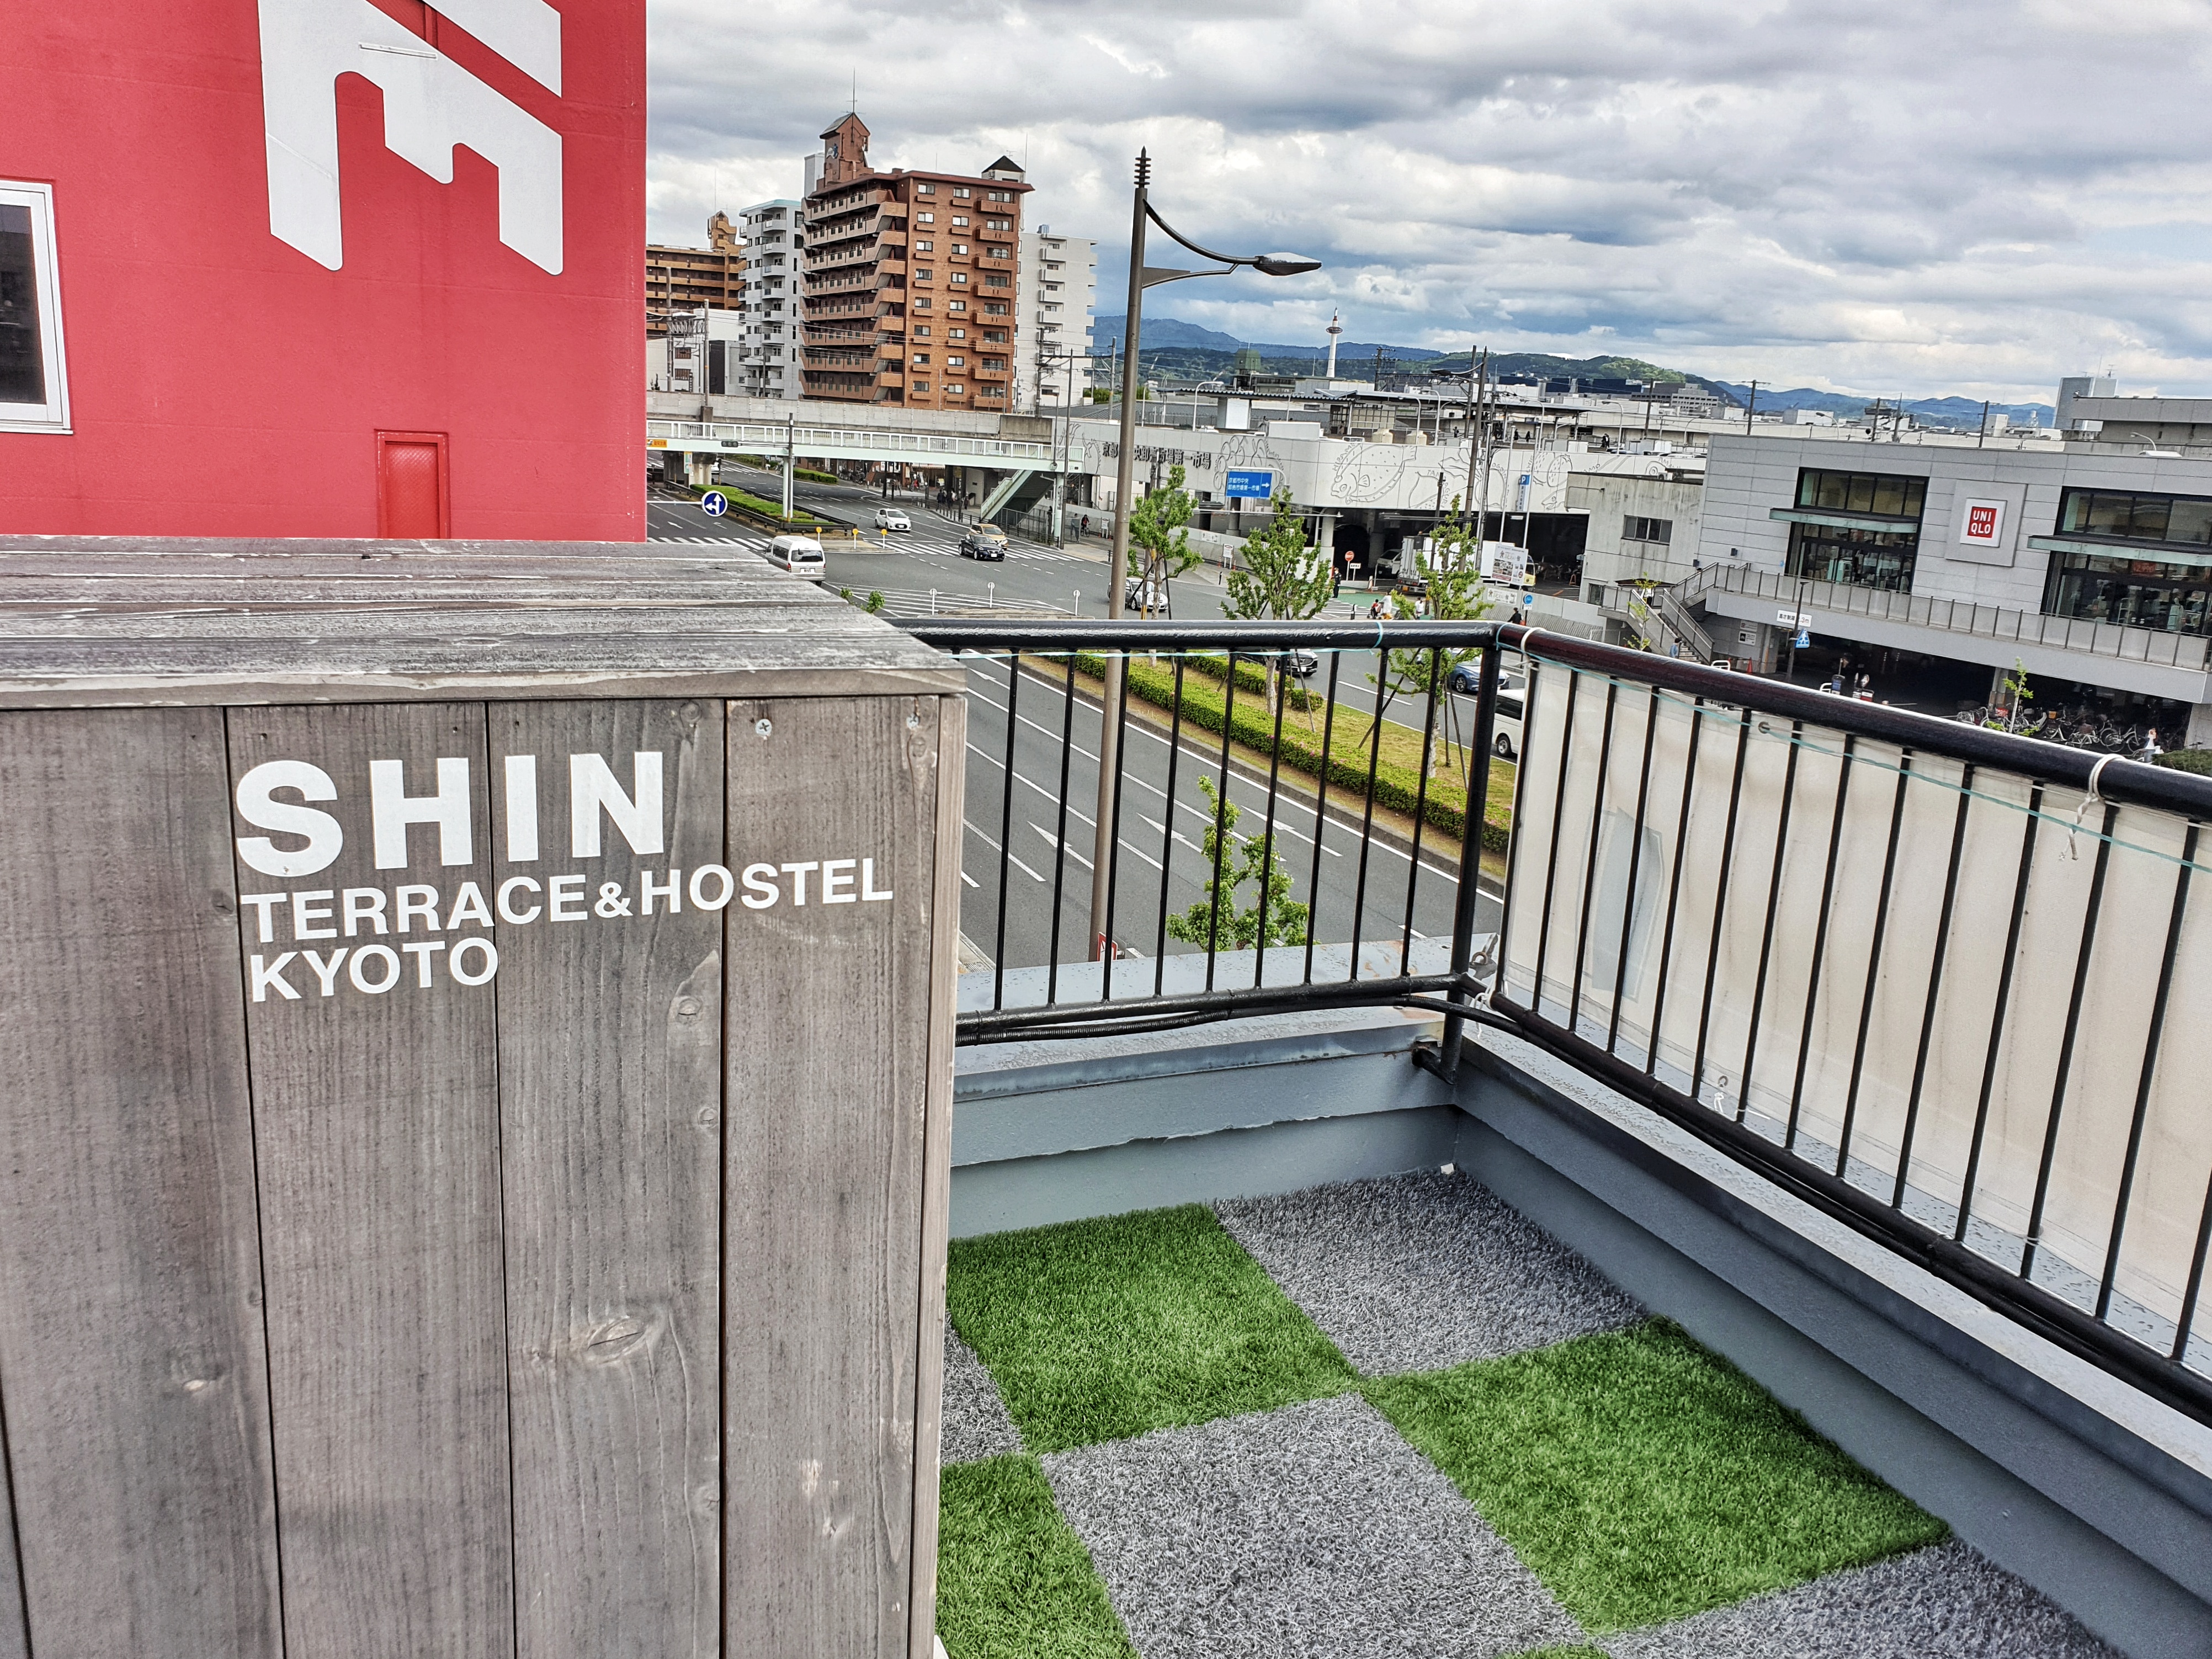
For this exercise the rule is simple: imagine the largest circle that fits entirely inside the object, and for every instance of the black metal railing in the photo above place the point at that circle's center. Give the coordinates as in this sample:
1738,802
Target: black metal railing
1290,890
1930,978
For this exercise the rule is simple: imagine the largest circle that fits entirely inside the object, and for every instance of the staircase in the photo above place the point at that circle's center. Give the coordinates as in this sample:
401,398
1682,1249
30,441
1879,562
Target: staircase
1667,627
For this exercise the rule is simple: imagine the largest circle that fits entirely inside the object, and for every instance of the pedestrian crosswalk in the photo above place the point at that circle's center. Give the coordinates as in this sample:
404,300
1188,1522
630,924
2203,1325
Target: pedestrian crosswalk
907,602
942,546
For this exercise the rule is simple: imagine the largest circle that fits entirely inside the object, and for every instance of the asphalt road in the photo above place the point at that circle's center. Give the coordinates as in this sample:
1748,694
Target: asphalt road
920,573
1157,845
920,570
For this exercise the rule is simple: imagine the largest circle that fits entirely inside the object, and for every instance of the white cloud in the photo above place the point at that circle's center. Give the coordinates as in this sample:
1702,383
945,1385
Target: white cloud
1878,195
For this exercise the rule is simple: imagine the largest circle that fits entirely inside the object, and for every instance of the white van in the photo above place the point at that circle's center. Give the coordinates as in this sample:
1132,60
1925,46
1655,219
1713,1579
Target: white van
801,555
1505,723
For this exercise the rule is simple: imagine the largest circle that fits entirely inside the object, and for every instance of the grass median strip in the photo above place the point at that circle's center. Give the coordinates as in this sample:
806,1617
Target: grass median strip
1397,771
1013,1581
1101,1330
1644,1479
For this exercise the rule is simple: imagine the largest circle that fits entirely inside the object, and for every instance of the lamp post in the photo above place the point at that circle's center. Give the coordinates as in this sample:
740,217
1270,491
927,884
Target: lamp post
1141,277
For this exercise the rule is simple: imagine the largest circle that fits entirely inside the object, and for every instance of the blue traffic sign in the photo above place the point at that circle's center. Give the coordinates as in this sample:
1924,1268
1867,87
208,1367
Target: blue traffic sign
1802,642
1249,486
713,503
1528,600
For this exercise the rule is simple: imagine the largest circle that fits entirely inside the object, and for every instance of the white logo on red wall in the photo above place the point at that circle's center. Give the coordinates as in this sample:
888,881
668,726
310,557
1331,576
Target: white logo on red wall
1982,524
430,104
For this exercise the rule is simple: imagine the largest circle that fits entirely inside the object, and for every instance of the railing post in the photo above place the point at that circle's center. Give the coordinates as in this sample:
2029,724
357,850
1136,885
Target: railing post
1469,895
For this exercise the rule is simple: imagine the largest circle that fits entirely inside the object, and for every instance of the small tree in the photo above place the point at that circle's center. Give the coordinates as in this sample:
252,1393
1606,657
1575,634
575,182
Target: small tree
1215,921
2016,693
1452,570
1279,577
1159,546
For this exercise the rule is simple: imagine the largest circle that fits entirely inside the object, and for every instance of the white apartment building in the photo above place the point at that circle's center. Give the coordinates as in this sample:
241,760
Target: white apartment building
775,235
701,354
1058,291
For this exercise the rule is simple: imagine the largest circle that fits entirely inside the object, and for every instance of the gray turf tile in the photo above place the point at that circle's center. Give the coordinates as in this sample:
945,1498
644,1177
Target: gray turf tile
1417,1273
1944,1602
1311,1532
976,1422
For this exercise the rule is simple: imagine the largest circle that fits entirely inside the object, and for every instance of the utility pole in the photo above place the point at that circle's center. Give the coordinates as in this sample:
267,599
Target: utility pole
1473,432
1982,437
1117,561
1748,407
790,431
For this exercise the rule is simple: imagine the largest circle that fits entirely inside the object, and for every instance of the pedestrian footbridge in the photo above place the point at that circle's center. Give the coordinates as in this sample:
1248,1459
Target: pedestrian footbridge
820,440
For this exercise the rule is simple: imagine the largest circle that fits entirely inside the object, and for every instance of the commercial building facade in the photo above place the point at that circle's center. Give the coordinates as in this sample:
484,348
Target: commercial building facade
386,211
2087,564
910,281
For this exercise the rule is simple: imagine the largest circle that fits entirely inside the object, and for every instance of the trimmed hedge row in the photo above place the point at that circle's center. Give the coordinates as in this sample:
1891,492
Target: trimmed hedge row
2188,759
1396,786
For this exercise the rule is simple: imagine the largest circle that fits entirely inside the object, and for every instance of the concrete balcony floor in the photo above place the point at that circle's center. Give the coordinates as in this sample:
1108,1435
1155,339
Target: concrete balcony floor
1395,1417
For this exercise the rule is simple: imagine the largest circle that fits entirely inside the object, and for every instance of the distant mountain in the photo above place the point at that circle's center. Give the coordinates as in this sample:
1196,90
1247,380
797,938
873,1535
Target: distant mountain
1185,349
1166,334
1956,412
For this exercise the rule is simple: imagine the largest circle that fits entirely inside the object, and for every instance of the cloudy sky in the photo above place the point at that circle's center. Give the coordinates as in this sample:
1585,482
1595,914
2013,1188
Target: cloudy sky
1870,196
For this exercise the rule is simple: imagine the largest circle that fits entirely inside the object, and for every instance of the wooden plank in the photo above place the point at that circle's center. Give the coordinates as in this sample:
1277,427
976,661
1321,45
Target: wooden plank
611,1082
937,1166
827,1098
14,1628
377,1124
428,625
130,1337
243,689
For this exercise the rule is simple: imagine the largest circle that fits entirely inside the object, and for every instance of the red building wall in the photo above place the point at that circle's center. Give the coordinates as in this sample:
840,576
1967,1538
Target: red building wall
224,382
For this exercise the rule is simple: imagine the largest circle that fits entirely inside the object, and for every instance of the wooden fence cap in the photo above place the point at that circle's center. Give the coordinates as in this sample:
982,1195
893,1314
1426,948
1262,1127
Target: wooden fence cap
89,620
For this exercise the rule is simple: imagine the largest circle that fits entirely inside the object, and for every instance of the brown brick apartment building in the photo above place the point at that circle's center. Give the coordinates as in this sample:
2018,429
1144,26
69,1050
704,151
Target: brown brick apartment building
694,278
910,281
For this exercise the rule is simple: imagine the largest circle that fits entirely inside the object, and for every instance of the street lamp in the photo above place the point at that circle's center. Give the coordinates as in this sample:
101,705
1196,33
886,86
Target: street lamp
1142,277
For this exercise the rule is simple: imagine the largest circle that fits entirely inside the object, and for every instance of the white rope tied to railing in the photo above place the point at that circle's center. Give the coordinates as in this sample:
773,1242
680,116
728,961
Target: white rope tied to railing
2091,794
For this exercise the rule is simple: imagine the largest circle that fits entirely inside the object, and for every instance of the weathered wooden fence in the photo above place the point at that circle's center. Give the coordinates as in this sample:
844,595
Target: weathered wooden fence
475,1078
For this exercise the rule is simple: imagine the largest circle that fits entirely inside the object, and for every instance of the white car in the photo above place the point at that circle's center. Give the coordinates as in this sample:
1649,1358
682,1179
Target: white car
801,555
890,518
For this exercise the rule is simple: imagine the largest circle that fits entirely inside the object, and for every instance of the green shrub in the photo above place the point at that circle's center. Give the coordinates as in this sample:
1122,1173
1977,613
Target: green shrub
1395,786
2188,759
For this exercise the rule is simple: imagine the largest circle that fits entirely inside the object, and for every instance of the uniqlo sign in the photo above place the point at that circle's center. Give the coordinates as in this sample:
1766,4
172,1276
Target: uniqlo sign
296,239
1982,524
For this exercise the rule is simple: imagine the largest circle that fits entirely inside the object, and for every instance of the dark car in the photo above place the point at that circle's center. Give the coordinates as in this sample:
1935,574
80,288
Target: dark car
1466,678
984,541
1299,665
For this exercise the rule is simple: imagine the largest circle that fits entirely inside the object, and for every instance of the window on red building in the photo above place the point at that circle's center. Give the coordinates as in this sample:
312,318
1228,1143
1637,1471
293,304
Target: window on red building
33,391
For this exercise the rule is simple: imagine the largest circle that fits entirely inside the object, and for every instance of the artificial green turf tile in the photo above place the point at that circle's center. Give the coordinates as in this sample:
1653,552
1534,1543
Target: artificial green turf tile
1013,1581
1100,1330
1644,1479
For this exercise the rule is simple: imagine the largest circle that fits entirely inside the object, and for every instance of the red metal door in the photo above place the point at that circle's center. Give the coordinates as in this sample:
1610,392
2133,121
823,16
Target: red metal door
411,486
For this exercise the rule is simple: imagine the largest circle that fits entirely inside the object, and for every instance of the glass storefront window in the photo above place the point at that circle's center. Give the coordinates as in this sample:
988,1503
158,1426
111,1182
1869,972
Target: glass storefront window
1858,558
2129,592
2136,516
1887,495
